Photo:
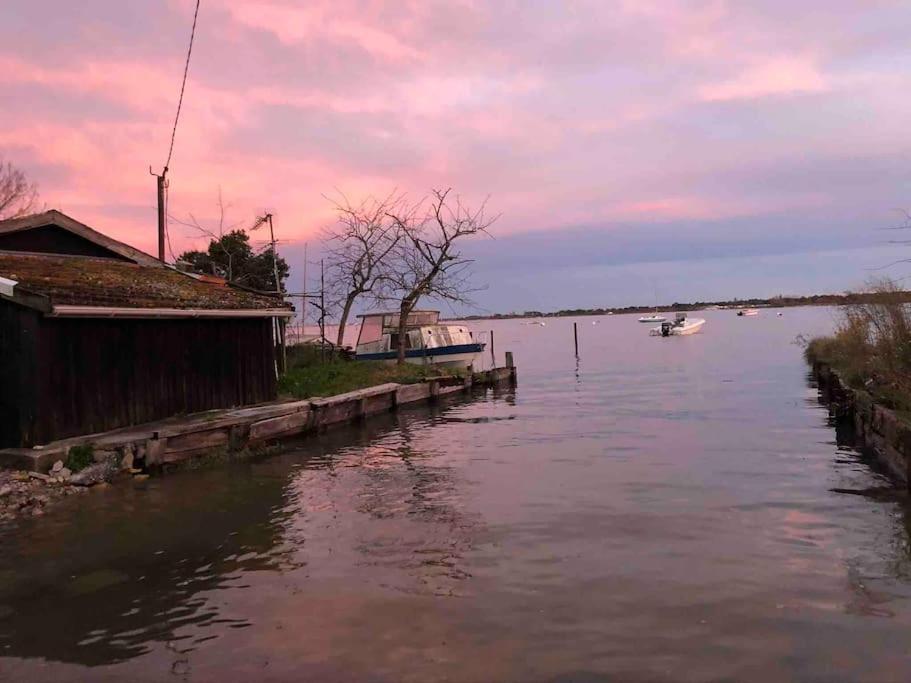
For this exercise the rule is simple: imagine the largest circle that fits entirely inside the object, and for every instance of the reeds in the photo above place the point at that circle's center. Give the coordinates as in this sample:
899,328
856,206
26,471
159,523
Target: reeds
871,347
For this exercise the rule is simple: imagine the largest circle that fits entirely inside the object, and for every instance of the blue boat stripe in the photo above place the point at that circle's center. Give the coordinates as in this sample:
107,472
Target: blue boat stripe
424,353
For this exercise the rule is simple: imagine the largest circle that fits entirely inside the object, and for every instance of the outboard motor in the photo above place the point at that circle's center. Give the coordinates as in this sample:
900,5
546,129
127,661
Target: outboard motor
665,329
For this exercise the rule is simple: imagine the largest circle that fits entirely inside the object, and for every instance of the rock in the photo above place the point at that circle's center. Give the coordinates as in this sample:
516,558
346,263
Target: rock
104,456
57,466
140,477
126,463
5,490
39,476
95,474
64,474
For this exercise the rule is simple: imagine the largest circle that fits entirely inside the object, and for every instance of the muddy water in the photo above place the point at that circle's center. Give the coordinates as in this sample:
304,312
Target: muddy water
660,509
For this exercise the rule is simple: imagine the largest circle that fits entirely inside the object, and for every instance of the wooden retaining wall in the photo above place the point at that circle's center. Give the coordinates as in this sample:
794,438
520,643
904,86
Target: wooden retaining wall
173,441
877,429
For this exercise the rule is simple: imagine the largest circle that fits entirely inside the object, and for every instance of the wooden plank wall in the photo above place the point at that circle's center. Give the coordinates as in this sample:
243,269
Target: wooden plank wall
19,328
94,374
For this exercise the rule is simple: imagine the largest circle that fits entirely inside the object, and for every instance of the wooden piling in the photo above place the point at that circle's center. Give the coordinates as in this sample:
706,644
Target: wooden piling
493,355
576,337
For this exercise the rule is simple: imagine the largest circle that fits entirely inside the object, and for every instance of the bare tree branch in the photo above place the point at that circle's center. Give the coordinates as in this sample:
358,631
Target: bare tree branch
18,195
427,259
358,248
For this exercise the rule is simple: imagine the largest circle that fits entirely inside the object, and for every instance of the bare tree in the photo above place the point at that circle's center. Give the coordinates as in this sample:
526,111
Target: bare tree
357,248
427,259
18,195
215,234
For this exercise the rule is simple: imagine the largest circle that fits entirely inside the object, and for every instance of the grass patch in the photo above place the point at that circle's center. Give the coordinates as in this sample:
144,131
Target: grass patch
308,375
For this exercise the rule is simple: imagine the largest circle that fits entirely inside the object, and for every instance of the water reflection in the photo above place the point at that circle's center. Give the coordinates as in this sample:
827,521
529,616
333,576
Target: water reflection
126,568
130,567
683,511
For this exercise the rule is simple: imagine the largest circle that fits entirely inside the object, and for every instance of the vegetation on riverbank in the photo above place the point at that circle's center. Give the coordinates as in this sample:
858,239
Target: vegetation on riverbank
871,346
310,375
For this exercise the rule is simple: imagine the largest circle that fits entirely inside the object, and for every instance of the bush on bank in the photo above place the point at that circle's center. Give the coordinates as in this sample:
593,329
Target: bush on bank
871,346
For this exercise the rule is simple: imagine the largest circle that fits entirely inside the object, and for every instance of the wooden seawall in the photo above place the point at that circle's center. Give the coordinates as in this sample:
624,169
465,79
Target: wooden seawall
176,440
877,429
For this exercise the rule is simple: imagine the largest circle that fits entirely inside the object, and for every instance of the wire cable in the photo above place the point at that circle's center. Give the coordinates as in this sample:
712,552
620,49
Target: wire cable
183,86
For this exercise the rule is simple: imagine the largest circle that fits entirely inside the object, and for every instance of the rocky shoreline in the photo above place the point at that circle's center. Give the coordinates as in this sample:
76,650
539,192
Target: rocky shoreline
31,494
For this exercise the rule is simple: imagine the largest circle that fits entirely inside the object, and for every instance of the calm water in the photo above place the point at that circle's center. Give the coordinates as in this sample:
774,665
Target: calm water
660,510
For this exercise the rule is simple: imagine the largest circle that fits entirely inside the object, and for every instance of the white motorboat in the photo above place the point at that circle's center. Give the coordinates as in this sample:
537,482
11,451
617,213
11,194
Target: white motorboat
652,318
426,340
748,312
680,326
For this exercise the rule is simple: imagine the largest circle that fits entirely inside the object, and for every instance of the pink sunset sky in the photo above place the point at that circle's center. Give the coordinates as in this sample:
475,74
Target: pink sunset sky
766,127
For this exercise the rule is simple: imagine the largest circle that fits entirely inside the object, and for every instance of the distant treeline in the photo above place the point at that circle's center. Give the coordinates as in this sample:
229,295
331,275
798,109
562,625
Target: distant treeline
774,302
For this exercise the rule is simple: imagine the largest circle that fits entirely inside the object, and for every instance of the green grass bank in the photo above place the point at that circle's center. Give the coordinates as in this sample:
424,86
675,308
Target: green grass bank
311,374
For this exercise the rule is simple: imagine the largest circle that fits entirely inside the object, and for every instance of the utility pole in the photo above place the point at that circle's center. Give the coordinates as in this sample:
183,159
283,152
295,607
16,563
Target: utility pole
161,181
303,298
322,307
278,287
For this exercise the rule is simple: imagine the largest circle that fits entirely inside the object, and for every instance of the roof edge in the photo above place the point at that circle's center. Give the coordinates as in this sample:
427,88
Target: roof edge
68,311
61,220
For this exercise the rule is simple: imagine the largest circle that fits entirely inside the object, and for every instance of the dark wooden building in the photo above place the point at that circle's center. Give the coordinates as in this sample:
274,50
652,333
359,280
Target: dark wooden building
96,335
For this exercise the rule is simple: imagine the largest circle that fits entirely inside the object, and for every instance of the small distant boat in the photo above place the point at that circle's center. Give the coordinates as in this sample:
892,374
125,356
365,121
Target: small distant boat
748,311
539,323
654,318
681,326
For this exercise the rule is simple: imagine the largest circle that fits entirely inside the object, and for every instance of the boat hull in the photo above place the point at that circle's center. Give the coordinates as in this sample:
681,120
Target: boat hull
691,327
457,356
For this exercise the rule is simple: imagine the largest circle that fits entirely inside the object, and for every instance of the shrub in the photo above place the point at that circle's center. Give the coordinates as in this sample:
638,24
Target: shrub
79,457
871,347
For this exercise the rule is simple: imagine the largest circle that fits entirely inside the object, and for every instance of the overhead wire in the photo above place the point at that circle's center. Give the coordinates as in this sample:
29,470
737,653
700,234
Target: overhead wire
183,86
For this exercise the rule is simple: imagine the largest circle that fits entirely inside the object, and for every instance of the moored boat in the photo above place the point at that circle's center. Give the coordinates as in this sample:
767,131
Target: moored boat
426,340
655,318
680,326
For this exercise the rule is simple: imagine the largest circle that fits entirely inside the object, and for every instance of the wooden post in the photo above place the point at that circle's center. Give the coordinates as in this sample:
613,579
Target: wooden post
161,213
576,337
509,362
493,355
513,379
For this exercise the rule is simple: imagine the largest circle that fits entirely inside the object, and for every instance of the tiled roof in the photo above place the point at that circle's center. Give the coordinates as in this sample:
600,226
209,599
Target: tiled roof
83,281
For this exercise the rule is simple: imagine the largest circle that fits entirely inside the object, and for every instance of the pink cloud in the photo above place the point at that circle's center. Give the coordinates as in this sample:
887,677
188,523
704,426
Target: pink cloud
780,76
593,112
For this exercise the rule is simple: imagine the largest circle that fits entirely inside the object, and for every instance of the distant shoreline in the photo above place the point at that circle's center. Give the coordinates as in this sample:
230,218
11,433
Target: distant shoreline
775,302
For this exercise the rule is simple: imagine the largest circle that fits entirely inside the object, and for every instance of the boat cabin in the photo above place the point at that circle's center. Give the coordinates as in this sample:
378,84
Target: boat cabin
426,340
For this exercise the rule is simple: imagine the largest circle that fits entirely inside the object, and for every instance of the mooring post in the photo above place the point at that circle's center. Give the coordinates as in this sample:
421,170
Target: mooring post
512,368
576,337
509,362
493,355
